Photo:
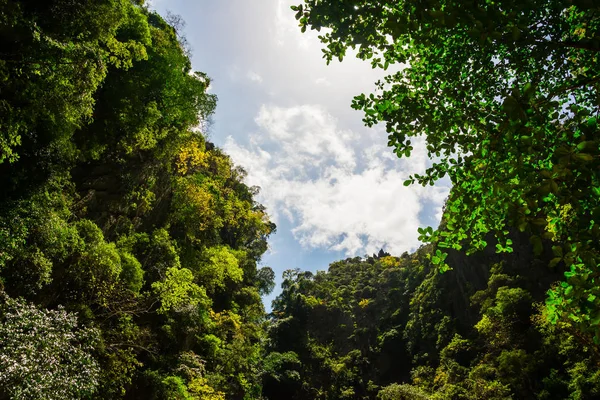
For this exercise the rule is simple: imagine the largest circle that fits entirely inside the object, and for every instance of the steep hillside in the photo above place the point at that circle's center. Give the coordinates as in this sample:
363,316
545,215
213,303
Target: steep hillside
395,328
128,243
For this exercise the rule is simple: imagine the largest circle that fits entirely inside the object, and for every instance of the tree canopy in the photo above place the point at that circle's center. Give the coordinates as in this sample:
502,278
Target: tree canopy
394,328
506,97
129,244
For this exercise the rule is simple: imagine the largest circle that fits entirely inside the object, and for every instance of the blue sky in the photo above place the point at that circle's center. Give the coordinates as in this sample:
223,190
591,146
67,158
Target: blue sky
330,184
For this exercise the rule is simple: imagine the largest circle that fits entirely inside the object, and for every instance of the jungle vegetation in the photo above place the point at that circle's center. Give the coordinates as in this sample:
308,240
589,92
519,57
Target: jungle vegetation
128,242
130,245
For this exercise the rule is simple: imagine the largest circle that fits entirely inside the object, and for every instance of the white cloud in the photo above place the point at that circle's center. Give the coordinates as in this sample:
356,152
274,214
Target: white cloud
254,77
322,81
338,193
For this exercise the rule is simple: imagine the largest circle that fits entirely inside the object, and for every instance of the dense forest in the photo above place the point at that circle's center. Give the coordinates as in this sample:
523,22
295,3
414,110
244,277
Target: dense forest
130,245
128,242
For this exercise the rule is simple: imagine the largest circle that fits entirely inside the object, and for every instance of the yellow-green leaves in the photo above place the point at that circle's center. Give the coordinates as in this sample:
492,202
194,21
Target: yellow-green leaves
192,157
221,266
132,273
118,208
178,291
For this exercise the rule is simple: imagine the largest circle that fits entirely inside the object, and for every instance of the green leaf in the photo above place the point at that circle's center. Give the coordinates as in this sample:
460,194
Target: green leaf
444,268
591,297
538,247
584,157
568,290
539,222
522,225
587,145
554,262
557,250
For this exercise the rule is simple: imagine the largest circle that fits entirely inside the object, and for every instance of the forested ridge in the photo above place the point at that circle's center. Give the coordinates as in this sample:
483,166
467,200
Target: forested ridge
130,245
128,242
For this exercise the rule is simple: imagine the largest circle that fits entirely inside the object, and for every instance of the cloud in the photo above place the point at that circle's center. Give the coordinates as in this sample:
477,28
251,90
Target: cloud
322,81
254,77
342,190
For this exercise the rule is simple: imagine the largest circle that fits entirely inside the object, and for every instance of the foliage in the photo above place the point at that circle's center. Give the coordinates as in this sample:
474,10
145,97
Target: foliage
130,245
119,222
44,354
338,334
366,330
401,392
505,95
178,290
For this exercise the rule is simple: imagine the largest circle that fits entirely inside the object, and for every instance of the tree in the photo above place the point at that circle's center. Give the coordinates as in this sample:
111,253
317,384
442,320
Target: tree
401,392
116,207
44,354
506,96
367,328
54,57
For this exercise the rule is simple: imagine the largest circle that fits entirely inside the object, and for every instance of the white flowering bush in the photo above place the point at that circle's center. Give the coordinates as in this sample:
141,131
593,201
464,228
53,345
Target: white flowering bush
44,354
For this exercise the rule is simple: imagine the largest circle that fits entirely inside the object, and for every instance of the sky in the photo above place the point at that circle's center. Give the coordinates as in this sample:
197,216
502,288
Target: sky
332,186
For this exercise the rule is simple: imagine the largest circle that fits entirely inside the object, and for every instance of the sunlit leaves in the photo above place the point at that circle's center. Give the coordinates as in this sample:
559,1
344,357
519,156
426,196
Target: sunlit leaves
178,291
195,206
53,67
508,108
116,206
191,157
221,267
